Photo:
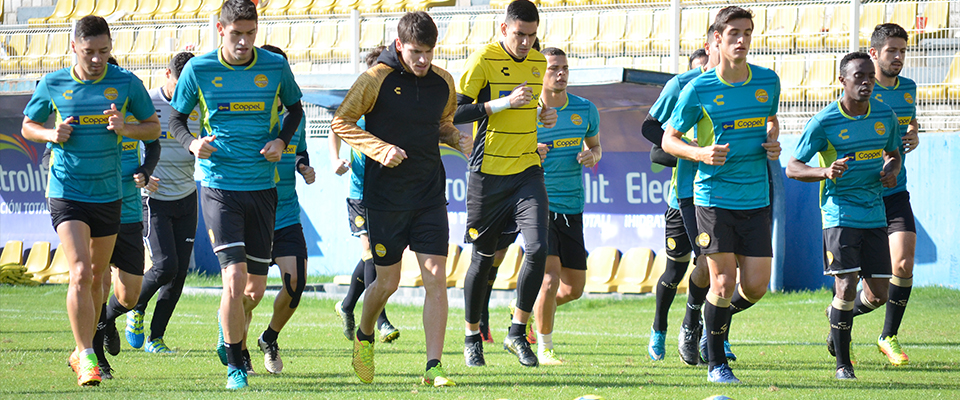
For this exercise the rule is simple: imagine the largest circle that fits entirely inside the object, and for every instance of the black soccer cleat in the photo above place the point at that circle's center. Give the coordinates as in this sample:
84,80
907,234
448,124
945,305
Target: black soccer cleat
845,373
473,355
111,339
689,341
519,346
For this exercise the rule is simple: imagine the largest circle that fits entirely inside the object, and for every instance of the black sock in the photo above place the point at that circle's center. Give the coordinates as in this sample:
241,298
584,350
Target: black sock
382,318
518,329
270,335
666,291
715,323
98,337
363,337
357,286
739,303
695,297
485,310
896,306
471,339
246,354
114,309
859,307
841,323
234,355
432,363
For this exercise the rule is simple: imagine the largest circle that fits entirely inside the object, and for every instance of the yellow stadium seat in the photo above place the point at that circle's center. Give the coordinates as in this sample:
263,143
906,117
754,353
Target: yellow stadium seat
610,39
299,7
122,42
304,67
208,8
59,269
10,77
279,36
345,6
189,38
601,269
559,28
371,33
457,65
57,52
167,10
766,61
410,269
905,15
485,28
499,4
428,4
838,31
509,268
301,38
275,8
104,8
321,7
342,279
780,28
393,6
649,285
821,83
647,63
809,31
188,9
329,38
937,19
144,75
159,79
145,10
586,27
81,9
12,253
592,62
662,31
633,269
126,6
459,274
369,6
61,12
15,47
39,258
452,43
637,37
792,72
625,62
693,29
161,52
33,58
205,46
759,40
142,46
453,260
873,14
950,86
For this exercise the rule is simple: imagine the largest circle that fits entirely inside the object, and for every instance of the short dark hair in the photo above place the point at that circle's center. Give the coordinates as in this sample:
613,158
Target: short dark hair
857,55
710,32
237,10
91,26
536,44
553,51
725,15
113,61
275,50
417,27
883,32
700,53
178,61
522,10
373,55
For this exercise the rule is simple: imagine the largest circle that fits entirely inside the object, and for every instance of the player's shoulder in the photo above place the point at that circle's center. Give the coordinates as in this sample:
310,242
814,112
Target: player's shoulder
762,75
879,108
269,59
490,50
446,76
535,56
63,74
574,101
907,83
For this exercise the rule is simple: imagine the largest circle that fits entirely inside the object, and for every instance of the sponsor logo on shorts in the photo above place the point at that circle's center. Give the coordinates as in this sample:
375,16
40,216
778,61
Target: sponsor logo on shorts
535,71
745,123
380,249
703,239
290,149
761,95
110,93
213,239
908,98
829,257
194,115
261,81
359,221
904,120
246,106
473,233
671,244
866,155
880,128
130,146
90,120
575,118
571,142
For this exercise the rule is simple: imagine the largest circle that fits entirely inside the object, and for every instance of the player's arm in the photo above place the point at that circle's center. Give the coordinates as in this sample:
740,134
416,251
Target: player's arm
38,109
712,155
652,130
301,160
359,101
198,146
273,150
772,145
147,129
891,168
449,134
592,152
812,142
151,156
912,139
340,166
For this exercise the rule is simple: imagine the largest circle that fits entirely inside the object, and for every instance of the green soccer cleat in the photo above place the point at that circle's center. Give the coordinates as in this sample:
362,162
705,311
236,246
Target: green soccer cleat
363,360
437,377
548,357
222,346
656,348
157,346
531,335
388,332
890,347
134,331
236,378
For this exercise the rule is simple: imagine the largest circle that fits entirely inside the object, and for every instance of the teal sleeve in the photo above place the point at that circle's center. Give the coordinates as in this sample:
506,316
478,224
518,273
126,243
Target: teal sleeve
668,99
186,95
593,124
775,98
40,105
302,134
688,110
289,90
138,101
813,141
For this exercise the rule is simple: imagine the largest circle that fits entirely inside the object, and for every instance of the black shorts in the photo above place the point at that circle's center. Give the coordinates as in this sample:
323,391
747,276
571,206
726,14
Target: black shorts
289,241
500,203
426,231
742,232
358,217
240,220
675,234
689,213
509,235
128,251
899,213
565,239
848,250
102,218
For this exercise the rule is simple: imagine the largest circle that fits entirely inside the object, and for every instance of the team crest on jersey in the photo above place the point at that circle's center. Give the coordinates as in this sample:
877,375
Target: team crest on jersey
761,95
880,128
575,118
908,98
380,249
671,244
194,115
703,239
261,81
359,221
67,95
535,71
473,233
829,258
110,93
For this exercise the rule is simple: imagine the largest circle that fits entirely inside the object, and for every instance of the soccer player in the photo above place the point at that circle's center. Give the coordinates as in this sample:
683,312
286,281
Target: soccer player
735,107
84,192
289,246
365,272
571,145
681,222
171,215
239,88
888,49
858,140
500,90
408,106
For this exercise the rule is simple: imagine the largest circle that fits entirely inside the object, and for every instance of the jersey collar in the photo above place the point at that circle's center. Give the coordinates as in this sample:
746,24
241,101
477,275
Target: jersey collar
749,78
231,67
73,74
859,117
897,85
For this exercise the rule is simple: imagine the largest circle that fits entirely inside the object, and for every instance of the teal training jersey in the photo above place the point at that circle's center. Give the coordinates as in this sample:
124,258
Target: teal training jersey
238,105
854,199
576,121
288,205
681,180
357,163
87,166
734,114
132,208
902,99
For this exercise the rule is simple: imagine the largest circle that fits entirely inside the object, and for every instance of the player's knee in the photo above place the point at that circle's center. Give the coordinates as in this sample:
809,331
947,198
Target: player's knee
846,288
81,276
551,282
576,292
753,292
537,253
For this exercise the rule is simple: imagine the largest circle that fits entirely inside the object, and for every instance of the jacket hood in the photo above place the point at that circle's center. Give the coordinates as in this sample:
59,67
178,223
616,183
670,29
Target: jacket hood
391,57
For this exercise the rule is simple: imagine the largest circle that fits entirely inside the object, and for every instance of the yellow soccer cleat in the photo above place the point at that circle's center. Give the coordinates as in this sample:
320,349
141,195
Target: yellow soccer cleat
437,377
363,360
890,347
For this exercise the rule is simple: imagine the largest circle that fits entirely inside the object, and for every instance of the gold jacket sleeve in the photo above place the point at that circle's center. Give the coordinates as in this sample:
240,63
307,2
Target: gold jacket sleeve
449,134
360,100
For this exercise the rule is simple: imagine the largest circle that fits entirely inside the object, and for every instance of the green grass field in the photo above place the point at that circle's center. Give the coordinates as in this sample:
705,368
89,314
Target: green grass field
780,343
